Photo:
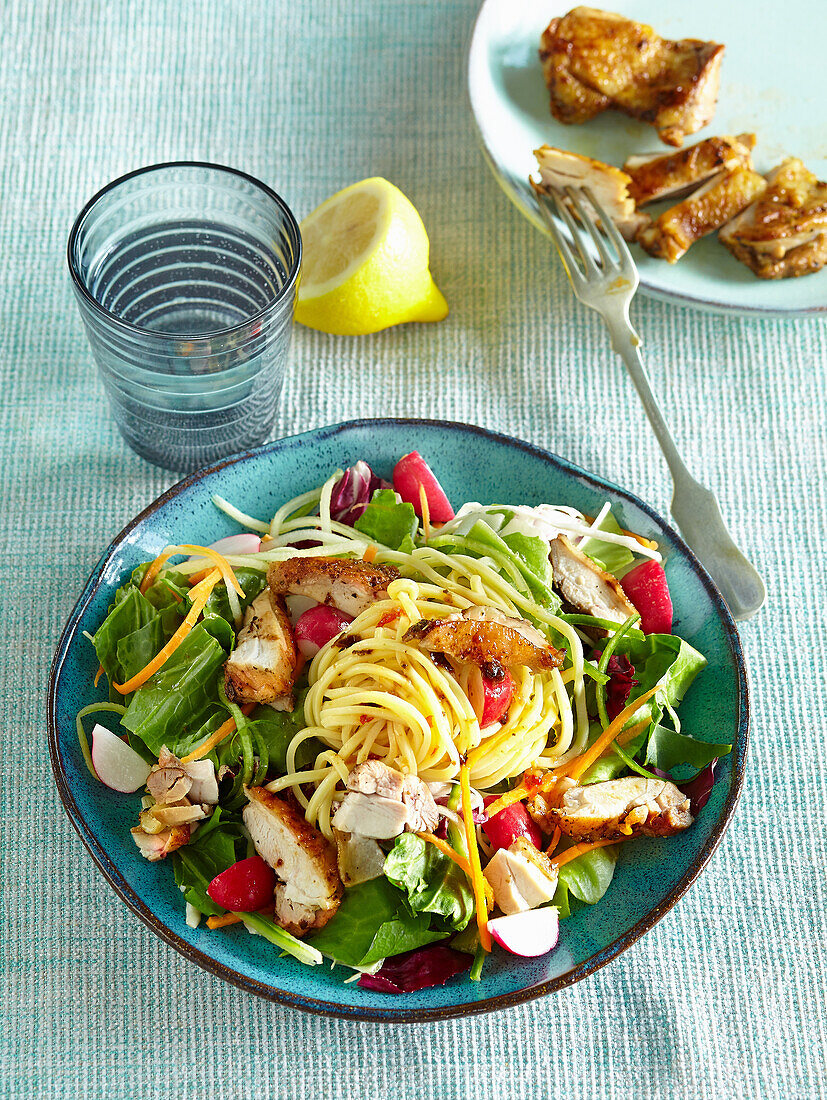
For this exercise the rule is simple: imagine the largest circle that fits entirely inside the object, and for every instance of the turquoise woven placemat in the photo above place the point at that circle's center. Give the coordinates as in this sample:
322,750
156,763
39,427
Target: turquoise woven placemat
725,997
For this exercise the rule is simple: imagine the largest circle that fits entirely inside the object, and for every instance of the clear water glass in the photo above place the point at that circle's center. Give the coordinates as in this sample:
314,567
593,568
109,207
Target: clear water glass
185,275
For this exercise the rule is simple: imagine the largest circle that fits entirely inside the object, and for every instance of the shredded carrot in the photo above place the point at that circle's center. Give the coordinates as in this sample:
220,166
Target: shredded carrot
223,921
580,850
196,578
154,570
218,559
576,767
477,881
370,553
224,730
426,512
555,840
199,595
631,733
98,674
460,861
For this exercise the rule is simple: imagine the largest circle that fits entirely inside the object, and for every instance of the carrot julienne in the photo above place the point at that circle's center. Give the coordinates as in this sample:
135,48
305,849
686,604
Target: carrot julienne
224,920
199,596
426,512
370,553
576,767
580,850
477,881
154,569
460,861
216,737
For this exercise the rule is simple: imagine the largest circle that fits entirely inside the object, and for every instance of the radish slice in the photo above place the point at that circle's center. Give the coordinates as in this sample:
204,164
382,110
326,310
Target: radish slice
512,822
528,934
317,626
411,472
297,605
646,587
116,764
237,544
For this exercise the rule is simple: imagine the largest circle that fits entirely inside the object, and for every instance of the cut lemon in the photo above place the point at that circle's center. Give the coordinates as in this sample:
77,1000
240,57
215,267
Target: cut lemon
365,263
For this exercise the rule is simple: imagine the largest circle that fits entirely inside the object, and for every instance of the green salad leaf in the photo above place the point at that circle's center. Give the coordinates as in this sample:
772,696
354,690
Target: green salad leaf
388,520
432,881
372,923
252,581
666,749
608,555
586,878
218,844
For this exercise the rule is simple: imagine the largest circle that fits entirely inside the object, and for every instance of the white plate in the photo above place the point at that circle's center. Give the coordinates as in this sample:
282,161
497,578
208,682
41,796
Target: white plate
773,83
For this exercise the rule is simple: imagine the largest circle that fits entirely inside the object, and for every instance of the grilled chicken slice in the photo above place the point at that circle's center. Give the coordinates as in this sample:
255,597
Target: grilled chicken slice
784,233
620,808
656,176
585,586
262,667
155,846
609,185
351,586
382,803
360,858
670,236
491,645
309,890
595,60
521,877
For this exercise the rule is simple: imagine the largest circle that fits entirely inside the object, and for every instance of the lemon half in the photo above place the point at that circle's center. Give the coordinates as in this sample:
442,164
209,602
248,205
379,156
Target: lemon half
365,263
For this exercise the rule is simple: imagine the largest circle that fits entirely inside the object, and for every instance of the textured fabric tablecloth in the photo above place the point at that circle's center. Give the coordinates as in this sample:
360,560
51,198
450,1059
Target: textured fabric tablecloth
725,996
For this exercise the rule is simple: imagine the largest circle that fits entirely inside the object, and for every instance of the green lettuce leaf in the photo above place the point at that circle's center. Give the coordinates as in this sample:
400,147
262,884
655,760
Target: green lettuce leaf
608,555
432,881
372,923
667,749
661,659
182,696
252,581
586,878
218,844
532,552
388,520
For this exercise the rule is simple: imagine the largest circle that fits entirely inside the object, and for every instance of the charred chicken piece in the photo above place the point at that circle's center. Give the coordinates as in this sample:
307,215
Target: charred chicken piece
491,644
585,586
609,185
784,233
656,176
595,60
309,889
621,808
262,667
670,236
352,586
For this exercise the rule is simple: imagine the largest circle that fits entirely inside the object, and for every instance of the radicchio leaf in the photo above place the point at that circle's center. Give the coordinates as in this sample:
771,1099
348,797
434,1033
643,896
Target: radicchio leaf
699,789
621,672
353,491
419,969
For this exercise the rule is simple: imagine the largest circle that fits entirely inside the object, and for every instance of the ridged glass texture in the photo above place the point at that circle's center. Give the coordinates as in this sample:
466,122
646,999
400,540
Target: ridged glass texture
186,275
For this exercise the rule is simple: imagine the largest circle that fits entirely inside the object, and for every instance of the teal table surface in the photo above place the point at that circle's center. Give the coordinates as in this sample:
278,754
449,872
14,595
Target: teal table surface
725,996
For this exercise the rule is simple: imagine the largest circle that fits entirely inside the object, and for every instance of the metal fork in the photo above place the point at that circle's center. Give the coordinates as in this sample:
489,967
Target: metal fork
607,283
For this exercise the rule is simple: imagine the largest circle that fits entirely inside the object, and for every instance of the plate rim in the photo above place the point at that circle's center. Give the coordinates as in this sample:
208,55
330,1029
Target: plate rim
354,1012
727,309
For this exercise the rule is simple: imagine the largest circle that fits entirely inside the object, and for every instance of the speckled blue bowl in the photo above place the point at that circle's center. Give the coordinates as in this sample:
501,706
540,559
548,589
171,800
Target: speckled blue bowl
472,464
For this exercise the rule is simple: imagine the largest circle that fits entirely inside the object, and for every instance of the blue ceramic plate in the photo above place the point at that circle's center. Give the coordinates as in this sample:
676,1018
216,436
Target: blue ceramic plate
472,464
773,84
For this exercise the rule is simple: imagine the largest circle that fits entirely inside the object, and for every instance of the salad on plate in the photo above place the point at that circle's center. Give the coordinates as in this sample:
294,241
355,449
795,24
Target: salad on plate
374,730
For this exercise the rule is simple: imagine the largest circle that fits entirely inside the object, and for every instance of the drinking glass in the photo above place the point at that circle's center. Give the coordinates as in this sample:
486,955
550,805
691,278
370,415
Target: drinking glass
185,274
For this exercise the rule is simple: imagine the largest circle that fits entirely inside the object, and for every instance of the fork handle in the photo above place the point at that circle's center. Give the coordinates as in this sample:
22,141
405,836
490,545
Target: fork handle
694,507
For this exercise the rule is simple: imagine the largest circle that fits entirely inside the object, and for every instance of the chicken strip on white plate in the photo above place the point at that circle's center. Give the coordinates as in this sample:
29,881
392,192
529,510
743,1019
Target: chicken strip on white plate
610,186
656,176
621,808
262,667
349,585
784,233
309,889
671,235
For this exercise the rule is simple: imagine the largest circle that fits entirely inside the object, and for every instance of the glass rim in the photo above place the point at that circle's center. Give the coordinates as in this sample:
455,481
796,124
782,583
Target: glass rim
138,330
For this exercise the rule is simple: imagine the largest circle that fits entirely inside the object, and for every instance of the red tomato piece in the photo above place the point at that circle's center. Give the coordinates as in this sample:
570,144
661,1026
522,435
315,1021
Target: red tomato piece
496,698
646,587
411,472
245,887
504,828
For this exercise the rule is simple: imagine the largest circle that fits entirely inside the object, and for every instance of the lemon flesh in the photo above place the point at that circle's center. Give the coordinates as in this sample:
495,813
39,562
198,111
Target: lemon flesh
365,263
